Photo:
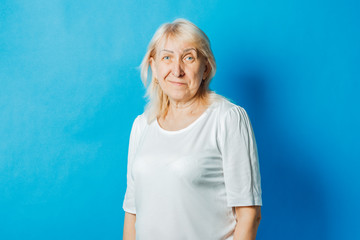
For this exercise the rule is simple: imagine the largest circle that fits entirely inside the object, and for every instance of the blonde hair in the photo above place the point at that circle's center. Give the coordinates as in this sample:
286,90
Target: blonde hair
186,31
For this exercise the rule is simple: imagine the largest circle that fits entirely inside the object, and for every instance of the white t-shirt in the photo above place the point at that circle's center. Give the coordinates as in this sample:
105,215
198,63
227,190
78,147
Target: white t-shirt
183,184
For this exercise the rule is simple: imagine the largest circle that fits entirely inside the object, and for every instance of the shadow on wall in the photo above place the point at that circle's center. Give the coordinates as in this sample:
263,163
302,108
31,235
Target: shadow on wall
293,193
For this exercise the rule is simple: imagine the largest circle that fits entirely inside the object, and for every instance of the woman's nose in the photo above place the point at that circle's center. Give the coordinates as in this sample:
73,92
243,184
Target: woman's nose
177,69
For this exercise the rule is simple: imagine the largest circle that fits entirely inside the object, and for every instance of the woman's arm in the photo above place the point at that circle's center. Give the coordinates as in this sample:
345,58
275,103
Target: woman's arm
247,222
129,226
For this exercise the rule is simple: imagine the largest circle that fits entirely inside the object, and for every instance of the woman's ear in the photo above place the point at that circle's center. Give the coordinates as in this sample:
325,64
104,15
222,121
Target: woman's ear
207,70
152,66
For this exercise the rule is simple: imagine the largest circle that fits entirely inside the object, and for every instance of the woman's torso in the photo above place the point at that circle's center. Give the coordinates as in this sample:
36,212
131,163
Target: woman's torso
179,182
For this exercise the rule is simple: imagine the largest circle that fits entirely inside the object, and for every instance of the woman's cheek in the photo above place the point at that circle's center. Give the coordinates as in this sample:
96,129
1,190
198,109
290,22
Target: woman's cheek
163,72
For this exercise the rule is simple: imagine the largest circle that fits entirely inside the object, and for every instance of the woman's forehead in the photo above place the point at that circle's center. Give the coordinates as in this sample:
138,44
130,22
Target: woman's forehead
172,43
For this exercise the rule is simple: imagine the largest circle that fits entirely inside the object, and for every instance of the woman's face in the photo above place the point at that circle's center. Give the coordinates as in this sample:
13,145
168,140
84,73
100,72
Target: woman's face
179,70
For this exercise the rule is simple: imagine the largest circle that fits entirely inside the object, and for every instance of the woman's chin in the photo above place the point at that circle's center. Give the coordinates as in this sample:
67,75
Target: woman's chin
179,97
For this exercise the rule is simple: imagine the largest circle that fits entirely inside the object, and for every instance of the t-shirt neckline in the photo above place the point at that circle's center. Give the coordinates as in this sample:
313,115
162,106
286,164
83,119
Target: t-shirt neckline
188,126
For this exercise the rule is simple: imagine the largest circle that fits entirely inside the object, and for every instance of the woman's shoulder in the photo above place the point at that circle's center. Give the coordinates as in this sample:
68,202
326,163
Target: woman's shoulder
230,115
140,122
223,105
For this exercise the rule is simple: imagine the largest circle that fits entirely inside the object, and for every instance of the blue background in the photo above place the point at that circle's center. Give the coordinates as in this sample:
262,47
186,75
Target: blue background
70,89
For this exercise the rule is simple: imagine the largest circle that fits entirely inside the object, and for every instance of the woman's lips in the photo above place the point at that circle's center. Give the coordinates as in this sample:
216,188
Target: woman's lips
177,83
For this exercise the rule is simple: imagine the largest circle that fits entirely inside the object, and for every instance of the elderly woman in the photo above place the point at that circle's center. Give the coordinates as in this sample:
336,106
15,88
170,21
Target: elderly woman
193,170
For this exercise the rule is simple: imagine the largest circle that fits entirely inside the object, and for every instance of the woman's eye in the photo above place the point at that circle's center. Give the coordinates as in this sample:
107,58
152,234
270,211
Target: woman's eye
166,57
189,58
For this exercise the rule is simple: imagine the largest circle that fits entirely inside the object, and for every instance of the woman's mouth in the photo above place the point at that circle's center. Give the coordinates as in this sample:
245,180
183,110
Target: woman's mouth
177,83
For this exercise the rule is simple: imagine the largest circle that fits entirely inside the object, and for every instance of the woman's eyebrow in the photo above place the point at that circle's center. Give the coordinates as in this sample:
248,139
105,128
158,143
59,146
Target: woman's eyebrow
189,49
166,50
186,50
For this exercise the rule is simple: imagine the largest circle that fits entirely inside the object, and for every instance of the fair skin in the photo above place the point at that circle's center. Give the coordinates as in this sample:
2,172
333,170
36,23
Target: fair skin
129,227
179,70
247,222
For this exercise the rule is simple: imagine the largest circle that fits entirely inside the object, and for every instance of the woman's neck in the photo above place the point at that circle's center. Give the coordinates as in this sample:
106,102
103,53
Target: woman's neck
190,107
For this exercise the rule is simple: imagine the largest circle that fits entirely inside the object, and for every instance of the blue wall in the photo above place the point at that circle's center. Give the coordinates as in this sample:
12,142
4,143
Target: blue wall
69,91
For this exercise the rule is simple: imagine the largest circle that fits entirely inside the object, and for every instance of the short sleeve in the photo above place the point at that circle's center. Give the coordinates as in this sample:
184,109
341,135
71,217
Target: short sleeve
240,159
129,199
